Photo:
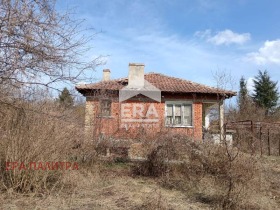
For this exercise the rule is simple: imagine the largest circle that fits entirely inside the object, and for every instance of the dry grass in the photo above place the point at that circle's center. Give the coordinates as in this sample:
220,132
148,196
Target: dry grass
105,187
220,176
266,193
32,133
110,186
203,176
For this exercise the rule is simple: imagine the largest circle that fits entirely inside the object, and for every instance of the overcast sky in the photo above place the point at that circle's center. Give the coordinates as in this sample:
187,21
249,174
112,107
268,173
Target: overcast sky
190,39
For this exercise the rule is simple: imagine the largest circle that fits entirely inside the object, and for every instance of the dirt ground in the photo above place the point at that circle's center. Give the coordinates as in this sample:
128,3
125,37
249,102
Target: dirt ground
113,187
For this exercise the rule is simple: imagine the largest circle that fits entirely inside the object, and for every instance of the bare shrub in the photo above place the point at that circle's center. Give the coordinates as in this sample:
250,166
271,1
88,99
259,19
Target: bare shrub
154,166
213,174
36,132
160,151
230,170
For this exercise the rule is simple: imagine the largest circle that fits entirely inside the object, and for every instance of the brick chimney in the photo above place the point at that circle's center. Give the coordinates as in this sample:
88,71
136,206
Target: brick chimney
136,75
106,74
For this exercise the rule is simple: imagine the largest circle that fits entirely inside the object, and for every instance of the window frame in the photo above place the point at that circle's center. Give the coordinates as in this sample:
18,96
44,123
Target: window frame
181,103
101,113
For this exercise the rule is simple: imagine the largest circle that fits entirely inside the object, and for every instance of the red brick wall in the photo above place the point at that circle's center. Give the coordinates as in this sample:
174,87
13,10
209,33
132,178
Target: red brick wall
113,126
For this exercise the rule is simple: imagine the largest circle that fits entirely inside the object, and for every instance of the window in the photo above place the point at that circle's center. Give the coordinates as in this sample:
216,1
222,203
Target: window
178,114
105,107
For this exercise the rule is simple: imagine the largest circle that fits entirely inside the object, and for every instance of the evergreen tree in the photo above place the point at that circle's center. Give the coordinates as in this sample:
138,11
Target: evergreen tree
266,92
65,98
243,93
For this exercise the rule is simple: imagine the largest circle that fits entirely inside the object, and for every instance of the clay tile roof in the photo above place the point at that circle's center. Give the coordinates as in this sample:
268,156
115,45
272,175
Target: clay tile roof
162,82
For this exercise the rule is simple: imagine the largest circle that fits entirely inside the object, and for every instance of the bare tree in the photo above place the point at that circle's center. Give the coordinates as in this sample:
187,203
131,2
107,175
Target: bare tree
223,79
39,49
39,46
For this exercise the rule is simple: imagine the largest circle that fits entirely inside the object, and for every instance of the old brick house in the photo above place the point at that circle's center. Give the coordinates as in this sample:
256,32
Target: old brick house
148,104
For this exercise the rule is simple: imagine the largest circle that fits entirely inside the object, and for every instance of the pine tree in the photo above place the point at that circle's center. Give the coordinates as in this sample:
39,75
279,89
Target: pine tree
266,92
243,94
65,98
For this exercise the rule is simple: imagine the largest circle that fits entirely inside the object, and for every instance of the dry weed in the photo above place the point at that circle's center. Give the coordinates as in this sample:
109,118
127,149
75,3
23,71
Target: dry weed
34,133
214,174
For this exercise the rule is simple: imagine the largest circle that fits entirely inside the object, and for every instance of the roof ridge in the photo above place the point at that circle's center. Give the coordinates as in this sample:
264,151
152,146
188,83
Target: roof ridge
186,80
161,81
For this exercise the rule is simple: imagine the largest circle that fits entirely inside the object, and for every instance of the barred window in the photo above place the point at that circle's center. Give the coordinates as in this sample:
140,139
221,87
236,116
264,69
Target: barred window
105,107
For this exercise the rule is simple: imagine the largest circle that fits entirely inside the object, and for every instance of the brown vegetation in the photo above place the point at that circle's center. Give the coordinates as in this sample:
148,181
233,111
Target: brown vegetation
178,173
33,133
213,174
